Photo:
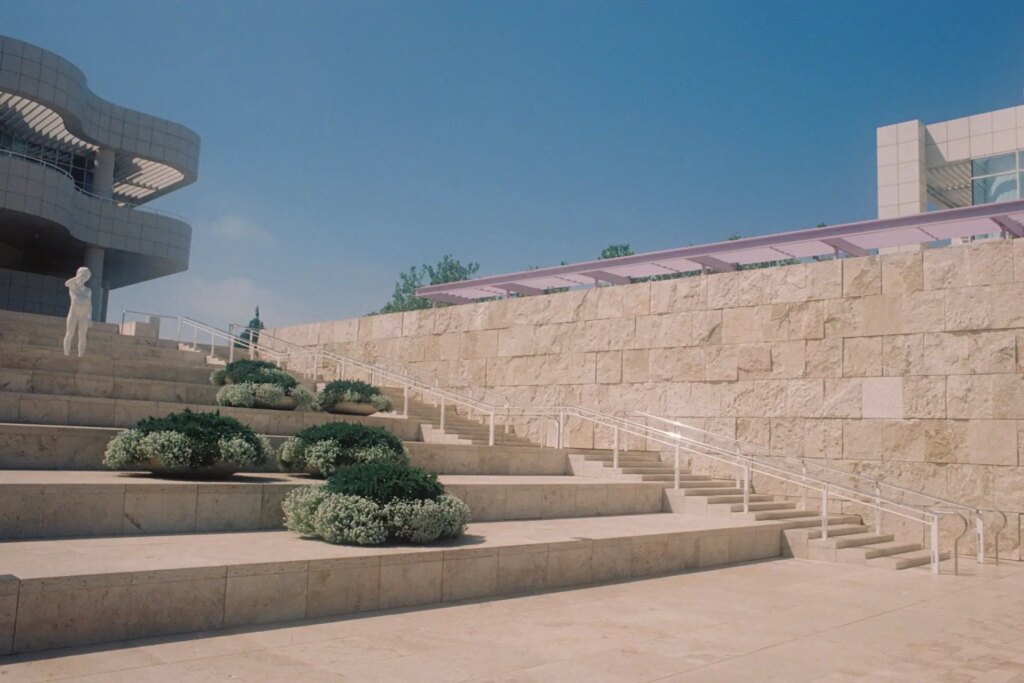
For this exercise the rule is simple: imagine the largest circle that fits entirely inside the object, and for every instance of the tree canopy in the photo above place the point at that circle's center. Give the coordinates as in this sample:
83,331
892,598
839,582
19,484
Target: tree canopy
448,269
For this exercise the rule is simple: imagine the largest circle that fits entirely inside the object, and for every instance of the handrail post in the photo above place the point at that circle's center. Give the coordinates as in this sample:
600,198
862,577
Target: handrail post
677,467
746,487
442,412
878,509
231,349
615,447
405,400
935,543
490,430
824,512
979,530
179,330
561,429
803,490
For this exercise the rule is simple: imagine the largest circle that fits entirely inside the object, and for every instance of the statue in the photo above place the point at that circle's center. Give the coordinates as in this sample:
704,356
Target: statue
80,313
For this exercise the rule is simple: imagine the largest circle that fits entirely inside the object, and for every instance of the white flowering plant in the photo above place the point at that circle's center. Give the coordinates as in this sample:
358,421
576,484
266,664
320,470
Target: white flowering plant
352,391
187,441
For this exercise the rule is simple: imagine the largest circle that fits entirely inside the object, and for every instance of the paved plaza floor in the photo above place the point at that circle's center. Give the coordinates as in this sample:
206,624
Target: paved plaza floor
780,620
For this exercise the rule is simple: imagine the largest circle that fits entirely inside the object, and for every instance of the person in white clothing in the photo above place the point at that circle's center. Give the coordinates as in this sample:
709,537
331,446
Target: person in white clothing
80,313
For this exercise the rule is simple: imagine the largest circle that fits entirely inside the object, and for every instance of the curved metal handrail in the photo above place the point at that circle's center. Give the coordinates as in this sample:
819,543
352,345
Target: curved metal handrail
108,200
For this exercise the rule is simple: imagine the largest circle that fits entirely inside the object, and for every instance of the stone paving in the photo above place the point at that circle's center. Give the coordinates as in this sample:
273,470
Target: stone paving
783,620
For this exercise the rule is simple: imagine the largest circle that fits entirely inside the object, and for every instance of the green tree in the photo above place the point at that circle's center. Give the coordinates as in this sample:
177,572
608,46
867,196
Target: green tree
252,332
616,250
448,269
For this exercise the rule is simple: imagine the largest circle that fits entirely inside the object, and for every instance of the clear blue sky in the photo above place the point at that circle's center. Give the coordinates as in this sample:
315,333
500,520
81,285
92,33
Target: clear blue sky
344,142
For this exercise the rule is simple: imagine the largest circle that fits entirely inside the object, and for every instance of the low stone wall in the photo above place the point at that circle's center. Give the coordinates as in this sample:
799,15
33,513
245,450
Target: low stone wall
903,366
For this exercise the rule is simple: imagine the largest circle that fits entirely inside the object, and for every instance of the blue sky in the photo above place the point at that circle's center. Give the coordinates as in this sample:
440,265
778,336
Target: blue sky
346,141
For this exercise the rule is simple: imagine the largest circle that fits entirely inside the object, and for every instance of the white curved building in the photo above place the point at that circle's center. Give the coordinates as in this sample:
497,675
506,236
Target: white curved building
74,172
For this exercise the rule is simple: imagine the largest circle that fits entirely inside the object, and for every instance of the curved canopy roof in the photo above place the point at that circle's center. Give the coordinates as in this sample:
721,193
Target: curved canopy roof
853,239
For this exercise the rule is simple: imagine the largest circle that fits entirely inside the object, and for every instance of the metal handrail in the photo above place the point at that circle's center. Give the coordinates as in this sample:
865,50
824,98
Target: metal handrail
935,501
109,200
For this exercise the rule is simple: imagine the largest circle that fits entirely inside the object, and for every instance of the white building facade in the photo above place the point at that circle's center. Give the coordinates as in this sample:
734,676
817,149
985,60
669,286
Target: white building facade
74,172
963,162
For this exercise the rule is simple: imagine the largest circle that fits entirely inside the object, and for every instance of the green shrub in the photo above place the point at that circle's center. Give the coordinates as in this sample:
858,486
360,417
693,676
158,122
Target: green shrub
384,482
352,391
350,519
425,521
253,372
187,440
300,505
348,442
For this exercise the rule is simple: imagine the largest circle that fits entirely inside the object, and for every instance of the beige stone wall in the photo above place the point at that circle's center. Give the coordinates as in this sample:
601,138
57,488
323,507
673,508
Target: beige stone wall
904,366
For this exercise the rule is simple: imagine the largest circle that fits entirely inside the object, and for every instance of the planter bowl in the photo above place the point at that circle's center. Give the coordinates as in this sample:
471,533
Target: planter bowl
286,403
352,408
220,470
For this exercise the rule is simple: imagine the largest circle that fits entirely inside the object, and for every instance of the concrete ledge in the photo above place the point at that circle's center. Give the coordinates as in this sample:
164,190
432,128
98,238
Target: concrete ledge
106,386
40,504
76,411
47,447
103,590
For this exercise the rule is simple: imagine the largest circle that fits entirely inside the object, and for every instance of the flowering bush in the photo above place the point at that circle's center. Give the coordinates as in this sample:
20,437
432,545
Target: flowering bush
249,395
254,372
352,391
187,441
370,504
322,449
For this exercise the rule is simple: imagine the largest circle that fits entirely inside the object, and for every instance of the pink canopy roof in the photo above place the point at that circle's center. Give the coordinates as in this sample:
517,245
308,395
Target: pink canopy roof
852,239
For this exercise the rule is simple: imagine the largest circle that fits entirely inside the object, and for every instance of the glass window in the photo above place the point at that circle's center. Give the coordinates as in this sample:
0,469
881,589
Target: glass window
1001,163
997,188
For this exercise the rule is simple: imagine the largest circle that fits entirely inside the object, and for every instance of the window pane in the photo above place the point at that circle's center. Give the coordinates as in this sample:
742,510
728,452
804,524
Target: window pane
999,188
997,164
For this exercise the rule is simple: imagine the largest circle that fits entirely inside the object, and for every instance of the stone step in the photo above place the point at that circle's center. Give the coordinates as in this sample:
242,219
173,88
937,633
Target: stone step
48,447
804,525
99,349
623,457
646,470
48,504
771,515
100,386
111,589
738,507
733,498
839,530
851,540
915,558
858,554
106,367
704,489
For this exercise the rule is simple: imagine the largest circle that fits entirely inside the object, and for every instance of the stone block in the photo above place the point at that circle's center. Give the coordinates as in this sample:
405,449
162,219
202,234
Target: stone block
823,439
739,288
602,335
862,356
612,559
985,307
970,265
635,366
882,397
664,330
706,327
992,442
154,509
862,440
679,364
469,574
823,357
862,276
752,361
479,344
82,510
263,594
522,569
754,430
902,273
806,282
970,396
182,606
681,294
805,397
569,563
787,359
72,611
222,507
650,556
924,397
753,324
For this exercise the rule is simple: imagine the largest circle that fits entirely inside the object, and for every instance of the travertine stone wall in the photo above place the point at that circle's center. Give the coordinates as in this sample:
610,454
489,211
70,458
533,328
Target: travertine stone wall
905,366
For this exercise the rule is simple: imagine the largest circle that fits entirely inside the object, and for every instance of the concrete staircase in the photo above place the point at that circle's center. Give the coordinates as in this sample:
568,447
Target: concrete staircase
91,556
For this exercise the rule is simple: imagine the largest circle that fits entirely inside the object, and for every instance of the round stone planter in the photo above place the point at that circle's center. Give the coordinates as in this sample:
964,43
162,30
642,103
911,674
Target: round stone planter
220,470
352,408
286,403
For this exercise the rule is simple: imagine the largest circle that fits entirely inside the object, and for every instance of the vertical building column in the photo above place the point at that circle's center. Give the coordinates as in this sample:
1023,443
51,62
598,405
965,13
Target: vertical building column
94,262
103,174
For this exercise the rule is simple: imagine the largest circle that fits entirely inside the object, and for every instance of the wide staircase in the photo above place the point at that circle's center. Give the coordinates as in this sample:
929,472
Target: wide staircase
91,556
